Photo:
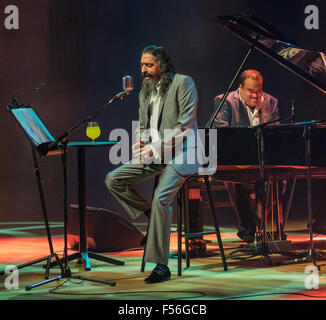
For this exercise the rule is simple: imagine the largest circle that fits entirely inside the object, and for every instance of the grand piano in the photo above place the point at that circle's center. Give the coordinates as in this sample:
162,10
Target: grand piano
269,153
282,144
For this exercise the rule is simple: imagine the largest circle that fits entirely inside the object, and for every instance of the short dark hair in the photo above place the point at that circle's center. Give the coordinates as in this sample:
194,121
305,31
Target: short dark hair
252,74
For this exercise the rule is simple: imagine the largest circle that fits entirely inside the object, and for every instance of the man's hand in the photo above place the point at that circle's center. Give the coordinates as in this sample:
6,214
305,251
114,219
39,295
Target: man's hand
136,148
142,151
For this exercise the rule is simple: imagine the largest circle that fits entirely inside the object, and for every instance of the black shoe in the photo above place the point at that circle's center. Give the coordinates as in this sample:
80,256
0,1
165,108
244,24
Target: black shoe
143,241
159,274
246,236
197,248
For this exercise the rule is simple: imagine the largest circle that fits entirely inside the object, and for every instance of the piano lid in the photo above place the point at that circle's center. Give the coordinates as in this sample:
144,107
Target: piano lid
309,65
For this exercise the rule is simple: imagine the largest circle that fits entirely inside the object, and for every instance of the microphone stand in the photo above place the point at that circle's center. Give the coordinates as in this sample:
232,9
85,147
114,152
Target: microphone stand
67,133
307,137
62,141
260,238
311,255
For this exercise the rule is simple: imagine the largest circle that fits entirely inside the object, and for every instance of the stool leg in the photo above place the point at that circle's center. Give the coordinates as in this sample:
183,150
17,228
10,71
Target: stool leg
219,240
289,201
179,227
185,214
262,209
272,210
142,268
280,200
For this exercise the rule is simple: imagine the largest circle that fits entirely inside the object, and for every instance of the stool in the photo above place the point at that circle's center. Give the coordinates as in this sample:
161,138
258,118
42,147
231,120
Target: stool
185,213
182,214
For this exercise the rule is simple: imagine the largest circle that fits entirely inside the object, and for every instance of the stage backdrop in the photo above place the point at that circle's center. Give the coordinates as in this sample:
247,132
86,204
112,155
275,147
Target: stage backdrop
81,50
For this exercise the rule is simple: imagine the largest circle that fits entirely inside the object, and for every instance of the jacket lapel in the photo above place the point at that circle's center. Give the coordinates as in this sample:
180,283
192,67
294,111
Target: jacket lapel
146,111
161,104
160,108
264,115
162,100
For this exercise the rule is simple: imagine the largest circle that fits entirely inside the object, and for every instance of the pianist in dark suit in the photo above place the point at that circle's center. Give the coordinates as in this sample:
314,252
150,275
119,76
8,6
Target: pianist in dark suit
246,106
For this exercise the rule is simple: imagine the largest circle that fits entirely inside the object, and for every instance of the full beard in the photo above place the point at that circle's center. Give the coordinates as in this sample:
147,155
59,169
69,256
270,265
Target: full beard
149,85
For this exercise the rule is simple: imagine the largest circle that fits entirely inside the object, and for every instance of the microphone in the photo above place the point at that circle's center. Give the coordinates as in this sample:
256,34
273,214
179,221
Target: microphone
127,85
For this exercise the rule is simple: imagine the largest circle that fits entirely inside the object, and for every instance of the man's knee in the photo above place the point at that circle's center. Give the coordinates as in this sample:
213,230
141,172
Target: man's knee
162,201
110,181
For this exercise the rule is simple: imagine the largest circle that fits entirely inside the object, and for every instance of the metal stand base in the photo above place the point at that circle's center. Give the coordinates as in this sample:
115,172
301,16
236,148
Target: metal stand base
310,256
46,223
67,275
84,258
47,266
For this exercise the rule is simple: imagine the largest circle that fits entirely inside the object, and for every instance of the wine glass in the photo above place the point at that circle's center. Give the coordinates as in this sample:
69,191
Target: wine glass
93,130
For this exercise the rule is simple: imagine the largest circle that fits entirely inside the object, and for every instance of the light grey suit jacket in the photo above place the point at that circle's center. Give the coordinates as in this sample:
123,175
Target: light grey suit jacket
177,122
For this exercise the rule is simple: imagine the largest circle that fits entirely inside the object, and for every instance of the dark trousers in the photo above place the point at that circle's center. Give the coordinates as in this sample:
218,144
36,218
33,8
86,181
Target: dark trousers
243,200
195,218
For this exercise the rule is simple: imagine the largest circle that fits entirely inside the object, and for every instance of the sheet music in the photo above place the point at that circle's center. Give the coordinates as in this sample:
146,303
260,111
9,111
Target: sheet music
33,125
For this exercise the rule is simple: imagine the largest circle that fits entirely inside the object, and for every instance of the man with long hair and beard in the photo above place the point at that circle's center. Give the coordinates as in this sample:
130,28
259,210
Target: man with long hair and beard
167,113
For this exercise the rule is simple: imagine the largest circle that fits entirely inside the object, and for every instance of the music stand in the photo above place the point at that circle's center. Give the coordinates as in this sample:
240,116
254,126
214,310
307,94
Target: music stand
40,139
29,123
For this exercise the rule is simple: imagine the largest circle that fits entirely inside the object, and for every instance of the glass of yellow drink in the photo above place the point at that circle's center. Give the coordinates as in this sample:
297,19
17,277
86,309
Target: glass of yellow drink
93,130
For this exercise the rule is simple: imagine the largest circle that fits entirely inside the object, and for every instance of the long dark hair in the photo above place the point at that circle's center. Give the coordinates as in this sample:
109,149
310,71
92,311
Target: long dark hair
162,58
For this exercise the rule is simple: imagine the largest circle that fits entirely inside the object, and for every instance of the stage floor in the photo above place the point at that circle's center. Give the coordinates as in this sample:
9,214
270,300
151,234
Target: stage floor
248,278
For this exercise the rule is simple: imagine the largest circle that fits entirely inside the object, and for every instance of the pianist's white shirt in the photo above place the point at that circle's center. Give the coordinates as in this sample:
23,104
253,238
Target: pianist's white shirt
253,114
